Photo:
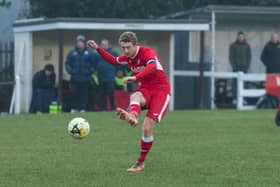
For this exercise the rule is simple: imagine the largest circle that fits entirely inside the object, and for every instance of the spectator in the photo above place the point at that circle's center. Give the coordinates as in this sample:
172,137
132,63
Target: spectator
80,64
93,96
240,54
130,87
271,59
271,54
121,94
119,84
106,77
240,59
43,85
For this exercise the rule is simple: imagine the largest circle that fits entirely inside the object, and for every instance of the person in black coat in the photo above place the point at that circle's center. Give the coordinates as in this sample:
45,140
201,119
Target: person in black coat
43,85
80,64
271,54
271,59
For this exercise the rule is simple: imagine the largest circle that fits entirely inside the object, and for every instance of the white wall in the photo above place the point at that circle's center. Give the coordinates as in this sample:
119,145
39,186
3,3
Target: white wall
23,70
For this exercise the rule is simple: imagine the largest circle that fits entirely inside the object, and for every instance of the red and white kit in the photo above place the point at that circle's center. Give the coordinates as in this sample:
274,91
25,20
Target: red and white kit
147,69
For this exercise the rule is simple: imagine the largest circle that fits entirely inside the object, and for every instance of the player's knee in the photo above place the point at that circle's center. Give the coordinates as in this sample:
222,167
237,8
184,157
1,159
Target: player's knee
138,97
135,96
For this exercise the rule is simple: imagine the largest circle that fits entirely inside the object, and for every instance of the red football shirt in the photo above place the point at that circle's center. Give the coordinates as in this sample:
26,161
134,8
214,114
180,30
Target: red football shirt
144,56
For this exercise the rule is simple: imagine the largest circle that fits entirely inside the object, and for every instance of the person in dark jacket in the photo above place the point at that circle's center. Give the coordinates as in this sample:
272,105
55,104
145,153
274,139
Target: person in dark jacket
271,54
240,59
106,77
43,85
240,54
271,59
80,64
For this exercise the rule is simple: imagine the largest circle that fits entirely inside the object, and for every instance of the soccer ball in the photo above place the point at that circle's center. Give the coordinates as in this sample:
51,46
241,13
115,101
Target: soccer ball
78,128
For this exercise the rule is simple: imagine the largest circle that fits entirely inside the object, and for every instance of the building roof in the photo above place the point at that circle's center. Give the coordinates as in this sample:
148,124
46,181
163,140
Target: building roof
227,9
232,15
41,24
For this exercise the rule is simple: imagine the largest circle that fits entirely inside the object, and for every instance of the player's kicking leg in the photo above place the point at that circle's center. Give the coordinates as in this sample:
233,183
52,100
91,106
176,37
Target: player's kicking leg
136,101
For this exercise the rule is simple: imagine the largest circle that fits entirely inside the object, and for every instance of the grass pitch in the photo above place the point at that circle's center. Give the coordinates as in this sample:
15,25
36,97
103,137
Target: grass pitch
191,148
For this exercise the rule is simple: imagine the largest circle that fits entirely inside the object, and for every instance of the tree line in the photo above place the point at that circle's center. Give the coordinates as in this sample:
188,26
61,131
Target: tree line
124,8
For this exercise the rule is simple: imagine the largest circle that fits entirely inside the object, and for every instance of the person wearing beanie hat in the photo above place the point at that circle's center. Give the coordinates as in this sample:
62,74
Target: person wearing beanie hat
80,64
81,38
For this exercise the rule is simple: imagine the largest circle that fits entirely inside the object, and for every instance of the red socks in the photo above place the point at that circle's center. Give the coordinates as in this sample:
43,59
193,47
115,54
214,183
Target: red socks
135,108
146,144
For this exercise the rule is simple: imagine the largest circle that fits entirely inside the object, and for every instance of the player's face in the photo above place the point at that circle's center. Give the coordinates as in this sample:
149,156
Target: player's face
128,48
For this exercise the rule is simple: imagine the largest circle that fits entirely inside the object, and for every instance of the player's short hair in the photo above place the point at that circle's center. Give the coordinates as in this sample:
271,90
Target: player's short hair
128,37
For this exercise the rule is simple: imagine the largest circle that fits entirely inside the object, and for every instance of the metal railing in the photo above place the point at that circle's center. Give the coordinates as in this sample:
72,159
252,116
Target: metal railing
6,63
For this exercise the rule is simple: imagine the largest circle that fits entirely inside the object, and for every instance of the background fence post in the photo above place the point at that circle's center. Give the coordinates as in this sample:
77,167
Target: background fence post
240,87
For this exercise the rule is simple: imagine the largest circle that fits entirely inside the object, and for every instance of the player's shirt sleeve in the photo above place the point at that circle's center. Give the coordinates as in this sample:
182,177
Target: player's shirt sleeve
149,69
150,60
150,56
110,58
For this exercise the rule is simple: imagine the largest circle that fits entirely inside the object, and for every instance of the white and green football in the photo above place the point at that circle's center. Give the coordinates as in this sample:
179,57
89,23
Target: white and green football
78,128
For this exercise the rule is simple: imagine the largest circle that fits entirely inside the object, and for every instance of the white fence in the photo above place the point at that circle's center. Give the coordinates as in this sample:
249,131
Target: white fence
242,92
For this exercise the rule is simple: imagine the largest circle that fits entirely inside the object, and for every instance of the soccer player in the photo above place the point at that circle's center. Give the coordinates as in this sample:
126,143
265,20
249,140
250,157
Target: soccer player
153,93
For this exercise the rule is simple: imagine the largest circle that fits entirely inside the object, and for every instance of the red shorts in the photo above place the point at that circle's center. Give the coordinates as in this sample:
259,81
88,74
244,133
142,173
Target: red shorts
157,103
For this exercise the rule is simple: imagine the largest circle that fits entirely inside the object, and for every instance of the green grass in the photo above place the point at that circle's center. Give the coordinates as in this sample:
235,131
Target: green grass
192,148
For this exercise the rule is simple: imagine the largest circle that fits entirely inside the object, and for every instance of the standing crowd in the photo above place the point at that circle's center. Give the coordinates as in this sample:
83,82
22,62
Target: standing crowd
92,85
93,81
240,54
240,57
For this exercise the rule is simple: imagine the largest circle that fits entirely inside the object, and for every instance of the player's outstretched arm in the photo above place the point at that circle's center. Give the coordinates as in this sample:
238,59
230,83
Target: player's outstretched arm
105,55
